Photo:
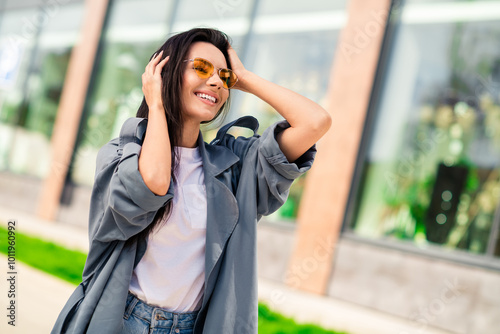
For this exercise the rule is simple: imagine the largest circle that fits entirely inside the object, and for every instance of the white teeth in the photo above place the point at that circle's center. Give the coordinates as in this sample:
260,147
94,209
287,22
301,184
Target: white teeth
206,97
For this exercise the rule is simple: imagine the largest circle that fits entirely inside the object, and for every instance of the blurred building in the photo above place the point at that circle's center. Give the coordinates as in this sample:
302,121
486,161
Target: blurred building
400,212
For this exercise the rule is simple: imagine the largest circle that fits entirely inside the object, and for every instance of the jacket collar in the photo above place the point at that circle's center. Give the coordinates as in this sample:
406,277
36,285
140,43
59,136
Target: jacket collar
222,209
216,158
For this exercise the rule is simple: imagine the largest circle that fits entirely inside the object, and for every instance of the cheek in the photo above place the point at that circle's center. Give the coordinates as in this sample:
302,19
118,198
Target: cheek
225,96
189,81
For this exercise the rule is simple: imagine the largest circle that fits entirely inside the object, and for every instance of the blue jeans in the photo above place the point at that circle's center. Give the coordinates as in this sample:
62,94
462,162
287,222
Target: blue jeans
142,318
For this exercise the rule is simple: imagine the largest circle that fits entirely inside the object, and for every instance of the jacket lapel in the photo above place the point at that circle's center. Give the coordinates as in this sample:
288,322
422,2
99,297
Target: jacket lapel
222,208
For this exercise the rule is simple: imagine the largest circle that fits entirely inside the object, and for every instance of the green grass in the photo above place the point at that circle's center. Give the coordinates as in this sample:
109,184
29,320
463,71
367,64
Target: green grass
68,265
46,256
274,323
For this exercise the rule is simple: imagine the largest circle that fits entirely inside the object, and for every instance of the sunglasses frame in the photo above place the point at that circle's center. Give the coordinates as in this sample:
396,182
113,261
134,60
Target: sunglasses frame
218,70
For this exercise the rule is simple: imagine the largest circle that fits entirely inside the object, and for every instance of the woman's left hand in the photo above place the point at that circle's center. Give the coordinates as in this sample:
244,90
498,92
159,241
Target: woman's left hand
238,69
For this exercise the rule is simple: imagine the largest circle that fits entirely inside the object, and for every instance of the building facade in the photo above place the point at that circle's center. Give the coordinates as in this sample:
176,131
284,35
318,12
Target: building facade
400,212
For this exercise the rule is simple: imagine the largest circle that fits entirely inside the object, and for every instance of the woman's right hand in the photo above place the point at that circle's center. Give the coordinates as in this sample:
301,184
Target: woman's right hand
151,81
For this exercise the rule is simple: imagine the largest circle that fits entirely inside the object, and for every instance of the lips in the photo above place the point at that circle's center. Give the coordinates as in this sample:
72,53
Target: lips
207,97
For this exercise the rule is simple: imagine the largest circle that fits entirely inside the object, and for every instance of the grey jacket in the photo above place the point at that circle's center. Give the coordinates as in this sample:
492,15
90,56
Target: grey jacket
245,178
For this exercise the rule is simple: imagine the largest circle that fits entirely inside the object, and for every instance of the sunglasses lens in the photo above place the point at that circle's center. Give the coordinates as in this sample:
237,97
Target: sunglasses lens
228,78
203,68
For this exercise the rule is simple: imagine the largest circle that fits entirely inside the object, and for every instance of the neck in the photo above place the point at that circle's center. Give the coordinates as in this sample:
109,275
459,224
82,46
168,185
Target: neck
190,135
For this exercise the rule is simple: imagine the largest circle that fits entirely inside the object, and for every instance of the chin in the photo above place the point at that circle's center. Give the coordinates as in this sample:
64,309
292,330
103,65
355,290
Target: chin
209,119
205,118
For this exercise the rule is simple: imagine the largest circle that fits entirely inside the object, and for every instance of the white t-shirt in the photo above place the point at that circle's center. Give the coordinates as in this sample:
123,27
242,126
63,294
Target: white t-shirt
171,274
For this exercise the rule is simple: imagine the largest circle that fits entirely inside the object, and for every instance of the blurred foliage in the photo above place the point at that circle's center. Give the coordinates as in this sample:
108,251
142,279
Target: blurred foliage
36,109
117,92
455,123
46,85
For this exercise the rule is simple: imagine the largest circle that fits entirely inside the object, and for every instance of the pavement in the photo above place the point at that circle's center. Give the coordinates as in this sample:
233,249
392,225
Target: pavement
40,296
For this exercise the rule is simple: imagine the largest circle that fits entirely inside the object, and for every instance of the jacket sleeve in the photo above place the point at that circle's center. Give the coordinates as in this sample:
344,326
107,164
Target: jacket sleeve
274,173
128,205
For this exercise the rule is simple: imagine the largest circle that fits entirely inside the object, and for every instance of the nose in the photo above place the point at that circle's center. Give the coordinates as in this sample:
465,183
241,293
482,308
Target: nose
214,80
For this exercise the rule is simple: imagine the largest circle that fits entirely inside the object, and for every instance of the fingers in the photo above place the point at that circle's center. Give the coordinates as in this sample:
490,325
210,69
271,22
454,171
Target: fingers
152,65
149,67
235,61
151,78
159,67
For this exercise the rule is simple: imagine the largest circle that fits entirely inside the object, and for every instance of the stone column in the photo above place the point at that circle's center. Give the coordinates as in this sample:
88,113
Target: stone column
324,200
71,106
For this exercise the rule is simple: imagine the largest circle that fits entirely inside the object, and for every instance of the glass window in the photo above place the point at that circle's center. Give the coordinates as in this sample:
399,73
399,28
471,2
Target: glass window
230,16
135,29
432,171
280,7
292,44
35,44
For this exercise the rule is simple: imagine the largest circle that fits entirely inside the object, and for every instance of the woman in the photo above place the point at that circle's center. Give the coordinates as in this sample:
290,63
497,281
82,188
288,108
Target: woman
173,219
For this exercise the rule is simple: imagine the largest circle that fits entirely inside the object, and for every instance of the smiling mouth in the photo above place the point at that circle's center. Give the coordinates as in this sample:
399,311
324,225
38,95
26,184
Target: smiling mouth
206,97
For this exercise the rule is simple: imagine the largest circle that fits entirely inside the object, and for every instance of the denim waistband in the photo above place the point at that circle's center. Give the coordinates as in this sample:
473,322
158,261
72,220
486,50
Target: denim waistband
157,316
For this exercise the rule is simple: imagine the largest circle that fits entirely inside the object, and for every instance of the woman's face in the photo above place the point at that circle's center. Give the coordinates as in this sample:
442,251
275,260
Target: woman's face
197,107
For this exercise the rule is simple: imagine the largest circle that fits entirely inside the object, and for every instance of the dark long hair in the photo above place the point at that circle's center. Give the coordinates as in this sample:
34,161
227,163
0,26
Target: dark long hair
177,47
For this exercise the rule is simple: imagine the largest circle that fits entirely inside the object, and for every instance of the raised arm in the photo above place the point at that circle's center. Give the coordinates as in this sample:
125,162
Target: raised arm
155,157
308,120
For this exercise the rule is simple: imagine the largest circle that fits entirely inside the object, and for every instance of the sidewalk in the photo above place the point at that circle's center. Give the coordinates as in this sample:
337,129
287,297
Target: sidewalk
41,296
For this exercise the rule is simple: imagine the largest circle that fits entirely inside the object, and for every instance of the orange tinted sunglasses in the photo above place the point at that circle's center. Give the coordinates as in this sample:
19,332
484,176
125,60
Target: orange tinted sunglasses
205,69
